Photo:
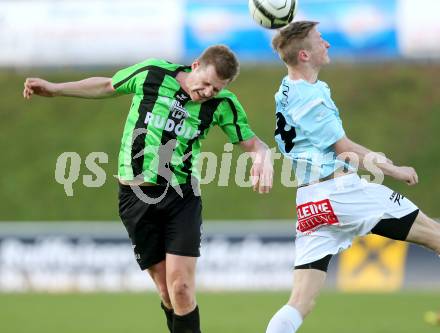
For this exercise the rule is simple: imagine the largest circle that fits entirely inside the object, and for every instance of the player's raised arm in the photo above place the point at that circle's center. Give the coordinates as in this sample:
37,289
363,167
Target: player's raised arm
262,165
402,173
94,87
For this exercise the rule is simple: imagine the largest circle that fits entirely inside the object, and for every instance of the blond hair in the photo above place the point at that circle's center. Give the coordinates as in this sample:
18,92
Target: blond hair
292,39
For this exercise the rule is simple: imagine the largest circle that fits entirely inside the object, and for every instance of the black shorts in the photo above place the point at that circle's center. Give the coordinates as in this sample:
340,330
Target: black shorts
172,225
396,228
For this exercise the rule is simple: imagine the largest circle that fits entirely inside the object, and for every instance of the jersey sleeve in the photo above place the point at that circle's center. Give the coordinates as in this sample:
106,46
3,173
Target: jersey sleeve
124,81
321,125
233,120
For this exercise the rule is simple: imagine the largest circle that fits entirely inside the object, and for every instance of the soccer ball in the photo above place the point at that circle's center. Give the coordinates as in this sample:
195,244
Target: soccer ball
273,14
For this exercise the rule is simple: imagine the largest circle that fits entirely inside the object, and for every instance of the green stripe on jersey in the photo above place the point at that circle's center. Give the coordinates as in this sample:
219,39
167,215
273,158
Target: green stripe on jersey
162,115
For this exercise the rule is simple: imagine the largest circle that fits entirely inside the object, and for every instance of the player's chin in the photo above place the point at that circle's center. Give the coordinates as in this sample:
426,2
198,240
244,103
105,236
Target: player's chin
195,97
199,99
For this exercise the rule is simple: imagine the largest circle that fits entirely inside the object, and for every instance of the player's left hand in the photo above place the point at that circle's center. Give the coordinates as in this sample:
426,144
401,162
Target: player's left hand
262,175
407,175
262,164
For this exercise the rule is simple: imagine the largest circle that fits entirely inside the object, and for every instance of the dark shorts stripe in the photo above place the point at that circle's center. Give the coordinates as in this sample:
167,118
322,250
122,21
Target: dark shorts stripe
397,229
321,264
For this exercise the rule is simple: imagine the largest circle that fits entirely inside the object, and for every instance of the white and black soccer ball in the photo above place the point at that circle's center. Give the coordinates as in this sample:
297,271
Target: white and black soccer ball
273,14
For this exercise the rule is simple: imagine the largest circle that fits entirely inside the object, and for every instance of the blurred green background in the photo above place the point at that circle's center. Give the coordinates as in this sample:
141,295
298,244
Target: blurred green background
391,108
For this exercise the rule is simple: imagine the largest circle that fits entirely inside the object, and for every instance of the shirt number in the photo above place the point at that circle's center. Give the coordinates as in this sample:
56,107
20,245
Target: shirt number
286,135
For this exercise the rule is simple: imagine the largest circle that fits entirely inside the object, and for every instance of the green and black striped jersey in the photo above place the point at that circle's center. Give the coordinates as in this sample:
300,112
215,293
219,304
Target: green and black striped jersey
161,139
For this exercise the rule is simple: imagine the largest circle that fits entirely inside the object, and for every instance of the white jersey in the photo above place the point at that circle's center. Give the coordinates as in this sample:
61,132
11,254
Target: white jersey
308,124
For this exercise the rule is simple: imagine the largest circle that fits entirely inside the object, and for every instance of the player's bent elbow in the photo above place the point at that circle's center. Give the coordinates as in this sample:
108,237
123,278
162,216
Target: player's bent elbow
109,87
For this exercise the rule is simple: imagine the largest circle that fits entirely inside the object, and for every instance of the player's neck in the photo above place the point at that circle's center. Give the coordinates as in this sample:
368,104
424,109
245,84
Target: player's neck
181,77
308,74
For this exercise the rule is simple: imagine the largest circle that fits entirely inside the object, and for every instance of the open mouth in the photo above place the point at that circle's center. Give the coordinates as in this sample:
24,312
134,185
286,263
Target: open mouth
200,95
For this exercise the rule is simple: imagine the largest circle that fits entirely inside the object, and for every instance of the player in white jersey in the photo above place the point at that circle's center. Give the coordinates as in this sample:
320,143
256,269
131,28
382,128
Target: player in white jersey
334,204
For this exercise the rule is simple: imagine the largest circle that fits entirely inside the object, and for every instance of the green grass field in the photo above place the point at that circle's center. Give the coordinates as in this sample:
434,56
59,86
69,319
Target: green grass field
221,313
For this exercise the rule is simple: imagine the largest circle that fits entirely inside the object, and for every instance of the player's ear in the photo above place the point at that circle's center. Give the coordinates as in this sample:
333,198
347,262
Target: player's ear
303,56
195,65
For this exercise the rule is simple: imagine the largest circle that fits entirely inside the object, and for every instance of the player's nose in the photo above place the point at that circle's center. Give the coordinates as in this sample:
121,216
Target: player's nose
209,92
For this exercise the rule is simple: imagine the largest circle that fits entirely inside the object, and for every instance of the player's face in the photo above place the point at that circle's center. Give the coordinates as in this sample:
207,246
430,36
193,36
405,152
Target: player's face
203,82
319,48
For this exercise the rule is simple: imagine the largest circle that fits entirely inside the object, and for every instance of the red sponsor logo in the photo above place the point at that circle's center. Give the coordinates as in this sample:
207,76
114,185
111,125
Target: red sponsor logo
312,215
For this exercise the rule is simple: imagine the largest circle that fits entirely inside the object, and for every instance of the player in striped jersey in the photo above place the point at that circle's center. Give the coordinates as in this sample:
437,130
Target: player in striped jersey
334,204
173,108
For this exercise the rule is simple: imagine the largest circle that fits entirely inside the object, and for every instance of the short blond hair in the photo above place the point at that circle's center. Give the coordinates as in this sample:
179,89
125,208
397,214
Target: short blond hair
292,39
223,59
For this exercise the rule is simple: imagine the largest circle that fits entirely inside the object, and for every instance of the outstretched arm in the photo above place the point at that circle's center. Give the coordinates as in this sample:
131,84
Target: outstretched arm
407,174
94,87
262,165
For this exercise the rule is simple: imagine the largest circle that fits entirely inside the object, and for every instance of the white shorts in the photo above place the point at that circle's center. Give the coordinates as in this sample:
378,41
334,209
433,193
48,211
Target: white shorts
332,213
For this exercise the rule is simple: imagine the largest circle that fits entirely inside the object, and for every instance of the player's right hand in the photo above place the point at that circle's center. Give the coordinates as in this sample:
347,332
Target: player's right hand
406,174
38,87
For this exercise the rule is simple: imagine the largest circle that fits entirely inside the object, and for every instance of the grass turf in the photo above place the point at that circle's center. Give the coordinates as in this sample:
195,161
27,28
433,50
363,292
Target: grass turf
221,313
